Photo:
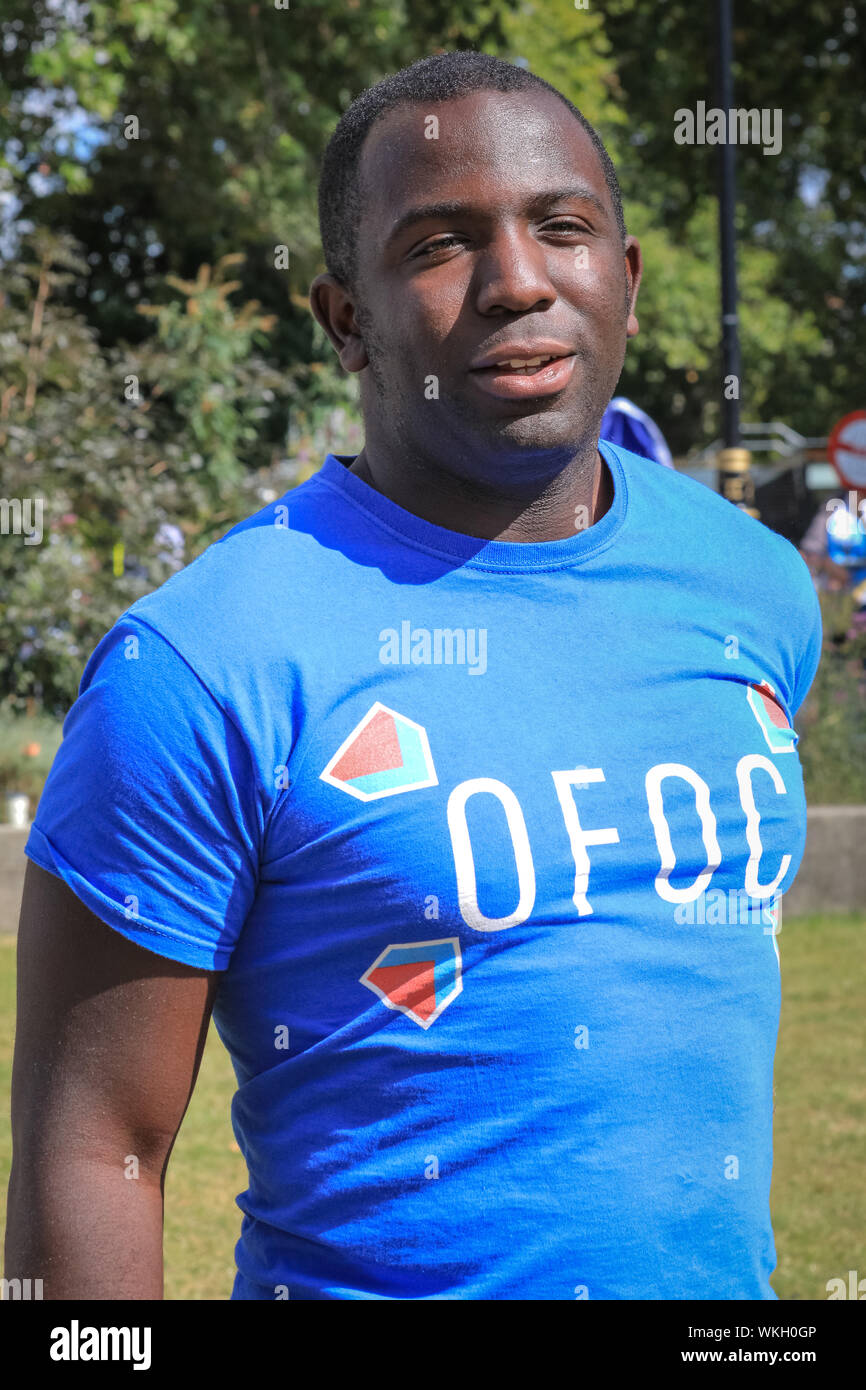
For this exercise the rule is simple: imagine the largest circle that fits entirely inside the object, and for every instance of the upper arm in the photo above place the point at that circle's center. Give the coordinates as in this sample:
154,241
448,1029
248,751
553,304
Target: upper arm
153,812
109,1035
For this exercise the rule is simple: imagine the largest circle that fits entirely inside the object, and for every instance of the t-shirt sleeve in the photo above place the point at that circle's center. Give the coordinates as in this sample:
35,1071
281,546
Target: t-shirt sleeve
151,812
810,659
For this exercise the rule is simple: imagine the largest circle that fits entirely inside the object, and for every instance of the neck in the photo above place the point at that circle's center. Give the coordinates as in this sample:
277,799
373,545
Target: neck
549,509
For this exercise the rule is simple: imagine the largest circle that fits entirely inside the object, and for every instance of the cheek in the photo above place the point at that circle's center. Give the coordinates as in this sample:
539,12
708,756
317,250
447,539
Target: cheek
594,285
431,316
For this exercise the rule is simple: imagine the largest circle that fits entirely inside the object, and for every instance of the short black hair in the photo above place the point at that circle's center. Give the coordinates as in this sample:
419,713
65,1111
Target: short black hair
443,77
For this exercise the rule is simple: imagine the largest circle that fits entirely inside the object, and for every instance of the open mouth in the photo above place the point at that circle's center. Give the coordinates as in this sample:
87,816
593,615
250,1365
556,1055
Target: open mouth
522,378
523,367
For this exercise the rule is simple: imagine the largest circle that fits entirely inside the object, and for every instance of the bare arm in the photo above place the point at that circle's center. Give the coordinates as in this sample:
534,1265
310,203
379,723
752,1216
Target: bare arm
107,1050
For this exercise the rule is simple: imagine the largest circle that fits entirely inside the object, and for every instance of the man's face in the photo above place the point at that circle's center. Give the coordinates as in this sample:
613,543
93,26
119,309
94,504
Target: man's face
522,258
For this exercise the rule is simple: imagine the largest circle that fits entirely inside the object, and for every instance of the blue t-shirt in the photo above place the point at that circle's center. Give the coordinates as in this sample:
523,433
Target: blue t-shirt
488,839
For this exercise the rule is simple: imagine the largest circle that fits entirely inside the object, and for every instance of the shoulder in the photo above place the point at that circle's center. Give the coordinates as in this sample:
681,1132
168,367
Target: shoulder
231,628
250,585
727,566
728,571
704,527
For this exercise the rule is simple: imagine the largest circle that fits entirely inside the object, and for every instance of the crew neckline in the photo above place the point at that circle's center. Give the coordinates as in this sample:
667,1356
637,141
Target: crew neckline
516,556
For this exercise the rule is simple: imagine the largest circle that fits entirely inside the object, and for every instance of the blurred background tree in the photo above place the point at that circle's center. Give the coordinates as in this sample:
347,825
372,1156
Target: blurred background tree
137,457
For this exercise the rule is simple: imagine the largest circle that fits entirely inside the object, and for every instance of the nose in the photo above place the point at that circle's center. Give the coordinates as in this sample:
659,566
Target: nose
512,274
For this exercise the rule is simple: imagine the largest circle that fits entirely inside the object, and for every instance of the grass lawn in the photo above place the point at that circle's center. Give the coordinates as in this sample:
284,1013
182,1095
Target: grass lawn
818,1198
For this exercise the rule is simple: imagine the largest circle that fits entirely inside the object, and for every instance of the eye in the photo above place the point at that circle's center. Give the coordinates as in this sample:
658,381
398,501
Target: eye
566,224
442,244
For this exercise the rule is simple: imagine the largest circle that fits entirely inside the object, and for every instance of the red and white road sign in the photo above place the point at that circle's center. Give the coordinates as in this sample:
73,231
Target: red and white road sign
846,449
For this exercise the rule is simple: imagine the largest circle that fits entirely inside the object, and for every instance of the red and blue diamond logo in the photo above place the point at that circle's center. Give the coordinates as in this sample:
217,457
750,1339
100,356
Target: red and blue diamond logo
417,978
765,706
386,753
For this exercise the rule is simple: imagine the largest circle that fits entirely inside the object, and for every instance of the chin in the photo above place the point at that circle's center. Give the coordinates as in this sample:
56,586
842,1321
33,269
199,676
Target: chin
543,433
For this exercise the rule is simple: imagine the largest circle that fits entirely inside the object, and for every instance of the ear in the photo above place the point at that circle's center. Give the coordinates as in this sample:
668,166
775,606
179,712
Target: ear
334,308
633,273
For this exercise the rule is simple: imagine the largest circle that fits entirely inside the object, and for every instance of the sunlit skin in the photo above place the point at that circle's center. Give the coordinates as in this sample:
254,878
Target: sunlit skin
526,189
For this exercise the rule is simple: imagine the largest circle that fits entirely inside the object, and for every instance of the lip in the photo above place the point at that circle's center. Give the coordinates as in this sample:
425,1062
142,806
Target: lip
513,386
504,352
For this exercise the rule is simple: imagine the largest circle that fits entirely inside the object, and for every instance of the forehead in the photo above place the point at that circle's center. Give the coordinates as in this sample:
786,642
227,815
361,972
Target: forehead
496,148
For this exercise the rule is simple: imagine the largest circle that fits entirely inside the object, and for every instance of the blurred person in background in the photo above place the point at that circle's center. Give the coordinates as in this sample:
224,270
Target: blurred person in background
834,546
626,424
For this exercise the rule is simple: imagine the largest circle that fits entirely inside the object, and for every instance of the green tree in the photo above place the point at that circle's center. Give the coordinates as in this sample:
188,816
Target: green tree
804,209
108,447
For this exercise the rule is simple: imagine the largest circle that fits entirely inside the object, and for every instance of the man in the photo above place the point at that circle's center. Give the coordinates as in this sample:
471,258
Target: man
426,779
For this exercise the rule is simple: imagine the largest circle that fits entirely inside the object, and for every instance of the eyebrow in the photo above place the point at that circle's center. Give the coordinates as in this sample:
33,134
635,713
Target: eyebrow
455,208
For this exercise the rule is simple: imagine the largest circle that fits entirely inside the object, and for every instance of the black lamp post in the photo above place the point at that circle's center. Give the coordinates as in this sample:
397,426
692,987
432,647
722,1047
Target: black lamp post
735,479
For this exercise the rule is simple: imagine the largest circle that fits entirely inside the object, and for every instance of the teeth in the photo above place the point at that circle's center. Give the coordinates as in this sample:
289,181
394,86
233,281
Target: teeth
524,362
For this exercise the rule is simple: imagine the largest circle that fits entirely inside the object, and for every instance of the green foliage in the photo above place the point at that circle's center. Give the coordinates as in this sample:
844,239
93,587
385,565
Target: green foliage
204,359
27,749
673,367
806,62
570,49
112,445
